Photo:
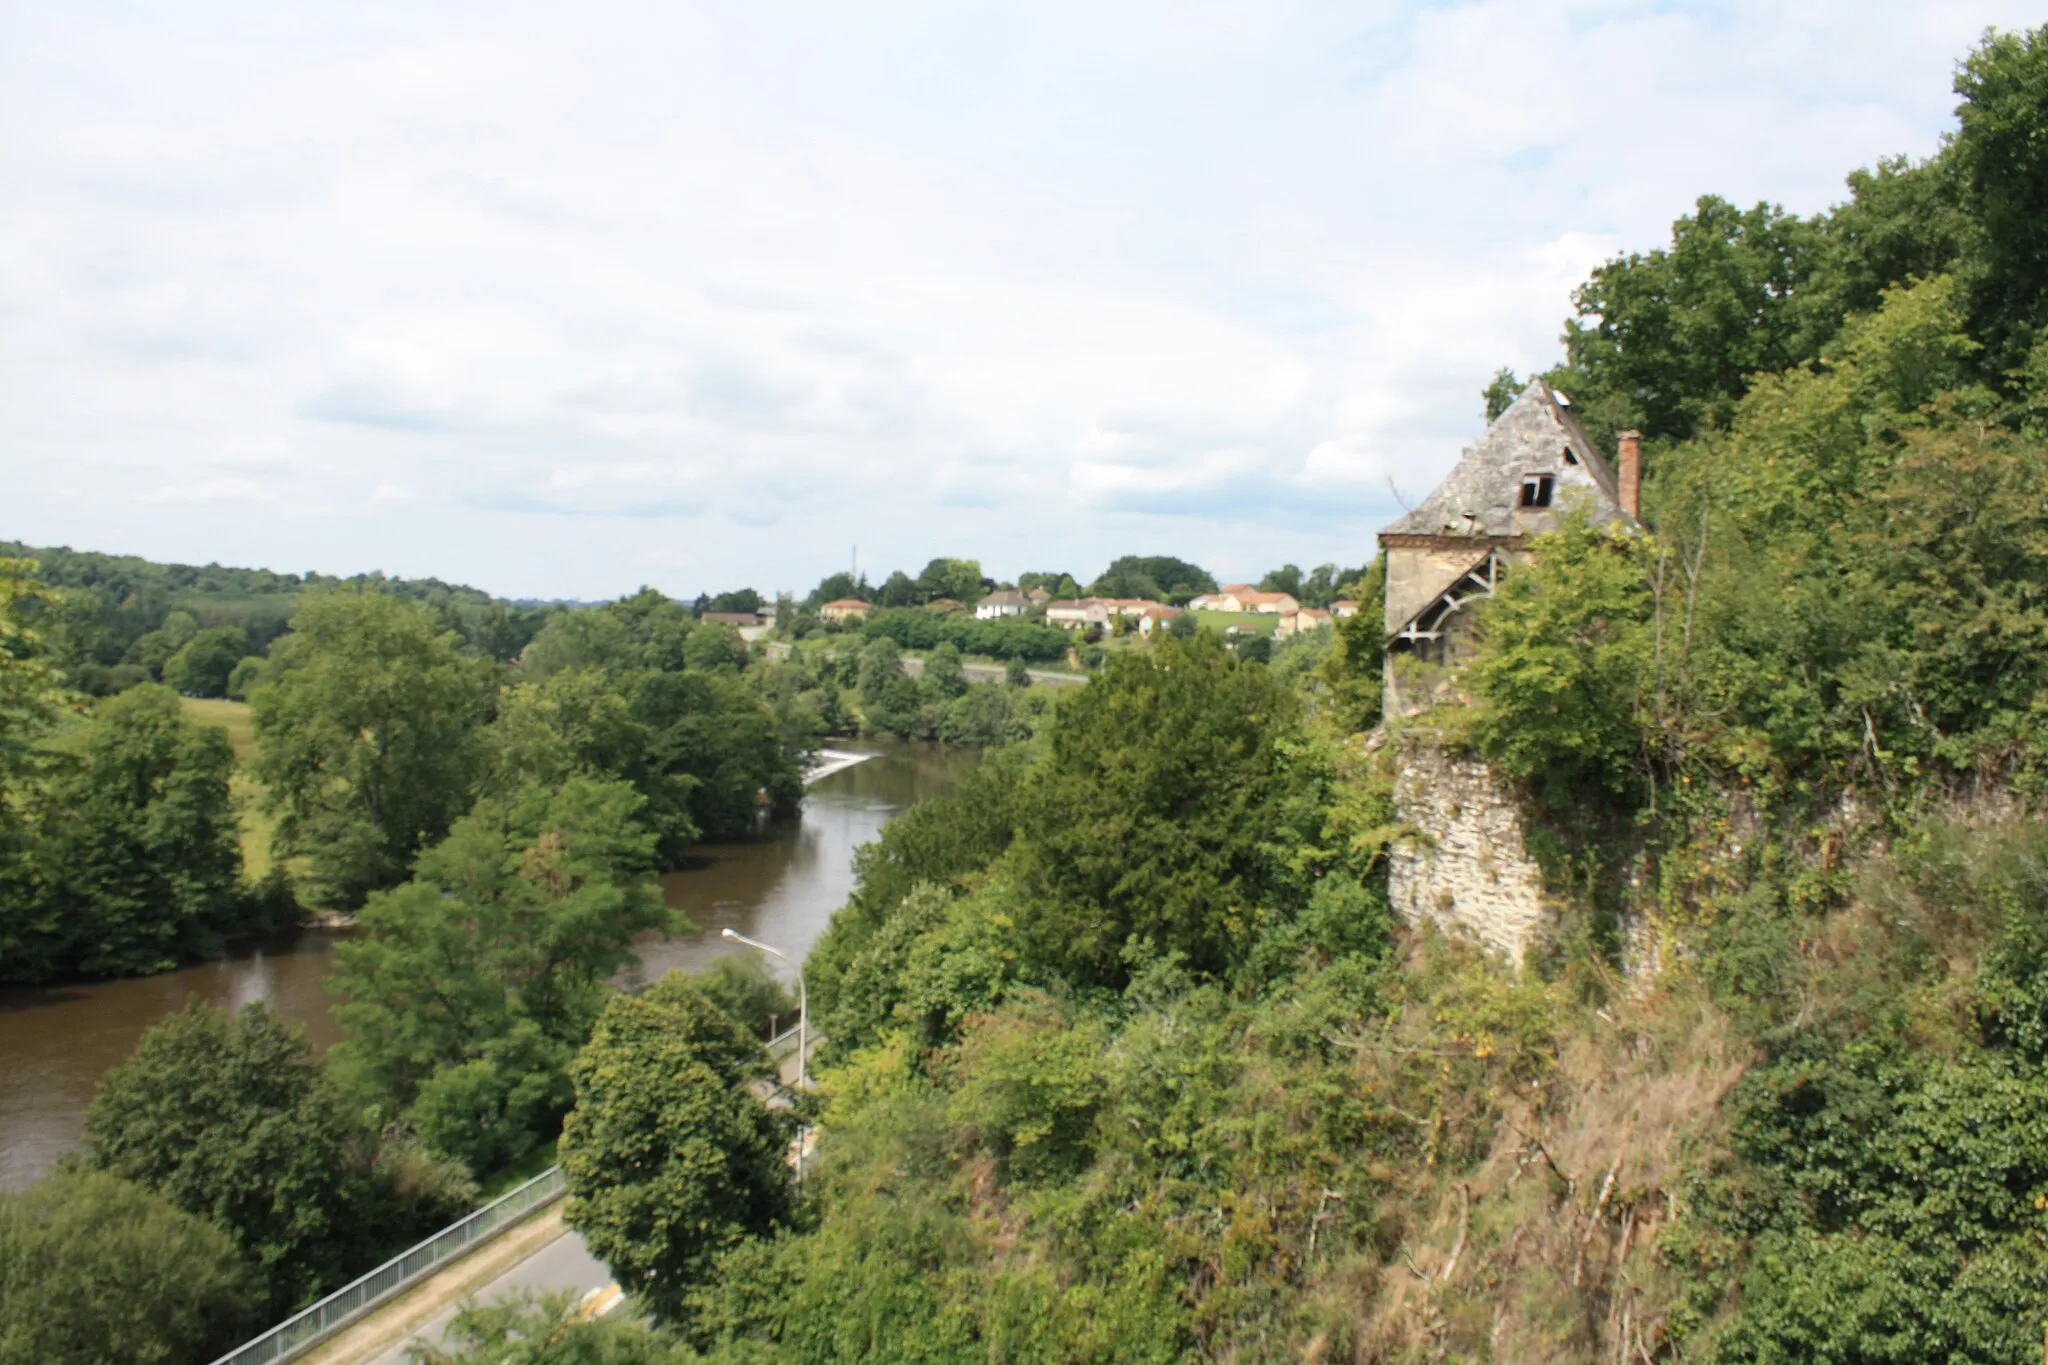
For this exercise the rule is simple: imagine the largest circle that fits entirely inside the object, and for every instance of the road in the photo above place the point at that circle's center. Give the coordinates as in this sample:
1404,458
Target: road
562,1264
981,673
993,673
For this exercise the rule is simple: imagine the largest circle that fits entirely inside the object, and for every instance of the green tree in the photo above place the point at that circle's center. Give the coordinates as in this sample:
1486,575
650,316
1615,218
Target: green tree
657,629
588,637
899,589
742,986
943,677
839,585
1666,341
980,715
202,666
1058,584
467,990
368,738
95,1269
1561,678
245,677
30,699
1354,670
1158,811
714,647
1500,391
1286,578
230,1118
959,579
153,650
1159,577
1997,150
740,600
888,697
142,847
670,1159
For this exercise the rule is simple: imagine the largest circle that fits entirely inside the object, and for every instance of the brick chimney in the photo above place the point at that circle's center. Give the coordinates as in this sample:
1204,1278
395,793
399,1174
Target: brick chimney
1630,446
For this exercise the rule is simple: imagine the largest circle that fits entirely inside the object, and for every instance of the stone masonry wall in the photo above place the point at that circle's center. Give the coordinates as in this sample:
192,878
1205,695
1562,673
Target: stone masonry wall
1470,868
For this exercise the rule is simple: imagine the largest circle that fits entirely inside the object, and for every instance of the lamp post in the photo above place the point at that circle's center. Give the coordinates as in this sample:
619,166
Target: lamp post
803,1007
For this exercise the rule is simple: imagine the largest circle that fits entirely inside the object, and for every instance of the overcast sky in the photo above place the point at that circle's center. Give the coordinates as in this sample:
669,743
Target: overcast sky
558,300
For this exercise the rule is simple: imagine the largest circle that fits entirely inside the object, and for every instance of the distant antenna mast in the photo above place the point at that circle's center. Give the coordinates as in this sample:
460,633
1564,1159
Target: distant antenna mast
853,568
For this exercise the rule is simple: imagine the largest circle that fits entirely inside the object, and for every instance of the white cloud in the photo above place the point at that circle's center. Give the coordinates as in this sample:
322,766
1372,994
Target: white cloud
1042,286
213,490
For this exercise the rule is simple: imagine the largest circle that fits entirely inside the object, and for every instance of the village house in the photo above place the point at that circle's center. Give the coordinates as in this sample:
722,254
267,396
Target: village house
1533,465
1100,611
1003,602
1243,597
732,618
1466,863
1154,616
845,609
1038,597
1295,622
1343,609
1077,615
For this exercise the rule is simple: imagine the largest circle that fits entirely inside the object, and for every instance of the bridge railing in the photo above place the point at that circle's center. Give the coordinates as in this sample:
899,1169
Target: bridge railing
308,1325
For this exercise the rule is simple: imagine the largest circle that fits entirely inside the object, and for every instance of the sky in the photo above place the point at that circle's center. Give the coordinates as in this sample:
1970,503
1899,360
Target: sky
562,299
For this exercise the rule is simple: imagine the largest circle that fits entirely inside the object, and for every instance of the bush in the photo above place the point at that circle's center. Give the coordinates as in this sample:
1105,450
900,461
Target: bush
94,1269
1004,638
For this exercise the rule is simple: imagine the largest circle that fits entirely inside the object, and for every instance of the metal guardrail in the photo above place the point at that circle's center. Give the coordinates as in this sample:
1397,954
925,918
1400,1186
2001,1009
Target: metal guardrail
308,1325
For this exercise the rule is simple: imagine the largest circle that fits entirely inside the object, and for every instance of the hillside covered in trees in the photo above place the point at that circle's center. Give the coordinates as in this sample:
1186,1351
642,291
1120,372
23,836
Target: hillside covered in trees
1128,1061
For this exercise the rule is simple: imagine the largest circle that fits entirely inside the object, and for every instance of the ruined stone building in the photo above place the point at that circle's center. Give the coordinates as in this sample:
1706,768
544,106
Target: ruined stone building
1467,864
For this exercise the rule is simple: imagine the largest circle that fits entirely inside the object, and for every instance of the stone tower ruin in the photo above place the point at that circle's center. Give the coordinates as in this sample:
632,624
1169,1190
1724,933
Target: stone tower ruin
1467,865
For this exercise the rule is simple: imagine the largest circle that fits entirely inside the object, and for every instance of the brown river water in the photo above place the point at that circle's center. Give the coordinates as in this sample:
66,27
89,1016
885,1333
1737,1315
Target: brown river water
780,887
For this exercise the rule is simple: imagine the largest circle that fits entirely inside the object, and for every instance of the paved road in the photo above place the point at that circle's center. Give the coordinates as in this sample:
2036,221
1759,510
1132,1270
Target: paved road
562,1264
779,649
983,673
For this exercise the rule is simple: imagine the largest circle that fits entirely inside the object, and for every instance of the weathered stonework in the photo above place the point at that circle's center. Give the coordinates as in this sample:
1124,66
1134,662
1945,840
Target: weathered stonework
1467,865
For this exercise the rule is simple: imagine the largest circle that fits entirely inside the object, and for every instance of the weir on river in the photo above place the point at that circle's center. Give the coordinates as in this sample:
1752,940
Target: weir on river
780,886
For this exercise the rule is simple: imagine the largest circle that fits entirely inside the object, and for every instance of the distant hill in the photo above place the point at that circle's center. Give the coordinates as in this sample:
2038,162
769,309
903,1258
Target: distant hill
109,605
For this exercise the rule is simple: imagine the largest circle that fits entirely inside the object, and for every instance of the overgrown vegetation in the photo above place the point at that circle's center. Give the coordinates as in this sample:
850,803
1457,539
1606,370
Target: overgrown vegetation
1128,1063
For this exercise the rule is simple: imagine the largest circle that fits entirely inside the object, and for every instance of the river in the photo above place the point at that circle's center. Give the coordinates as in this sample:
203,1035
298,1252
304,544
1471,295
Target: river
780,887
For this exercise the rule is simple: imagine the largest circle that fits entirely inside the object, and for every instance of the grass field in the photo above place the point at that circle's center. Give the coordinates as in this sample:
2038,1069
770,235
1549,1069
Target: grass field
232,716
257,823
1217,621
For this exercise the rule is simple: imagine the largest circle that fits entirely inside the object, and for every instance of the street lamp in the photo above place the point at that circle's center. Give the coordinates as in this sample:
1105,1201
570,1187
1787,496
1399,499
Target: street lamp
803,1007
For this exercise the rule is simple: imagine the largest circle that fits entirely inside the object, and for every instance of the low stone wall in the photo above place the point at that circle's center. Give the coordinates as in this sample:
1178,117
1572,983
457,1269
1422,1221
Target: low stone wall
1467,866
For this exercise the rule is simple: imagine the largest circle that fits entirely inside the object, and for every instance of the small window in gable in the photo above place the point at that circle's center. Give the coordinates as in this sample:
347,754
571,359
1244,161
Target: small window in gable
1536,490
1570,456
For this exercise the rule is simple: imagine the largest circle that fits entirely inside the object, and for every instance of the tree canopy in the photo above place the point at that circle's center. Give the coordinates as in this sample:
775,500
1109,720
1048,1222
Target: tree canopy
368,726
670,1160
95,1269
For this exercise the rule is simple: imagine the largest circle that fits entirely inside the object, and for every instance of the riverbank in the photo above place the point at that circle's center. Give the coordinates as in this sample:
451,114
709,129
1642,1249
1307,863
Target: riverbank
780,886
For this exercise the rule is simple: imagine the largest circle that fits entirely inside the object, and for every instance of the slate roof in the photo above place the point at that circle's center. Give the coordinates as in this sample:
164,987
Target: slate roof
1481,495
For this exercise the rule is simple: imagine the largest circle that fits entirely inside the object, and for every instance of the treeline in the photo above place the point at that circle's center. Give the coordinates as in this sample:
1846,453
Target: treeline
109,622
376,728
1159,578
1001,638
